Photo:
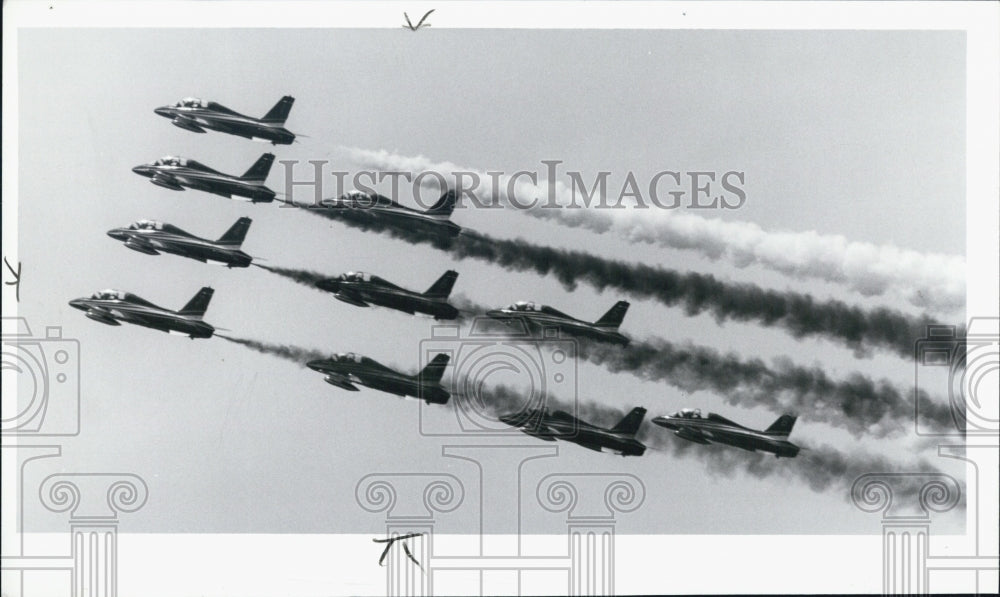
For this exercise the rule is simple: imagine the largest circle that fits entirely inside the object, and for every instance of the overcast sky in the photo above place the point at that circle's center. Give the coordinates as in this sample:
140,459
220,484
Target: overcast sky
860,134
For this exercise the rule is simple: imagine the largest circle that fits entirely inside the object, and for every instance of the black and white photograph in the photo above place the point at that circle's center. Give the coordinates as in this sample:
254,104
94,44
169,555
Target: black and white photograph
500,298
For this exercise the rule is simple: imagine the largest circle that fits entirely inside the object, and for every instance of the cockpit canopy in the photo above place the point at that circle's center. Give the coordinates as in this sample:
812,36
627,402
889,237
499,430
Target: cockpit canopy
171,161
108,295
524,306
191,102
688,413
356,277
146,225
347,356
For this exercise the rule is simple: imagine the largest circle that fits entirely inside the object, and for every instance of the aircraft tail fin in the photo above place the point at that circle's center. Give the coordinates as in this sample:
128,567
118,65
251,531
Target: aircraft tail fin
258,172
279,113
630,424
442,288
444,206
236,233
434,370
197,306
613,318
783,426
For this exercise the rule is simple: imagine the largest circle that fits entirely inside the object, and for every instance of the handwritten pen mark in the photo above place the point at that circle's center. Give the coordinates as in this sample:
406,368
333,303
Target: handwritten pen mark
411,26
391,541
17,279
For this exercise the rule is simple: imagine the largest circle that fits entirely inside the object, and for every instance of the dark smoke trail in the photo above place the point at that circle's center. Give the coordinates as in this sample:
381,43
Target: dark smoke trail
860,404
799,314
821,467
302,276
295,354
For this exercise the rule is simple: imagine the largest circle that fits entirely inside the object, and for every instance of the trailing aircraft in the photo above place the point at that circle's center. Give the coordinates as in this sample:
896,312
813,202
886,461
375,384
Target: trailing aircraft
362,289
347,368
540,317
177,173
152,238
713,429
111,307
619,439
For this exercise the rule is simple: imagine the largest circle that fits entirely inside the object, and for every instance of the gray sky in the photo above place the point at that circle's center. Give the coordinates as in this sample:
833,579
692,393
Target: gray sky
860,134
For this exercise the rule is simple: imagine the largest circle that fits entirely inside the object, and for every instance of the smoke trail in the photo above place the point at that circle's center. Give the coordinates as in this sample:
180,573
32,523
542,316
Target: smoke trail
821,467
931,281
302,276
289,352
860,404
799,314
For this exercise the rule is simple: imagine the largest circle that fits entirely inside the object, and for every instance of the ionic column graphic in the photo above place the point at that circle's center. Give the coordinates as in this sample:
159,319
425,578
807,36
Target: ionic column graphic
905,526
94,502
410,502
591,503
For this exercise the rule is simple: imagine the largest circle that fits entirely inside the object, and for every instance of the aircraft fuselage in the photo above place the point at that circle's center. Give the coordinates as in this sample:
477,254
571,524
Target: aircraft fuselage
177,178
578,432
376,376
538,321
196,119
708,431
362,294
113,311
153,242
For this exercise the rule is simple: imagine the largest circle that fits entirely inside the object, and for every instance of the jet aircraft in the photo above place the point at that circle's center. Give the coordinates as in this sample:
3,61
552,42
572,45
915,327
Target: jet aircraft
176,173
346,369
619,439
113,306
713,429
434,221
539,317
196,115
362,289
152,238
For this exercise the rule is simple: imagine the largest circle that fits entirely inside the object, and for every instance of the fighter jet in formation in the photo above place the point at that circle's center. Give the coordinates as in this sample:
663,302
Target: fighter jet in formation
433,221
619,439
346,369
176,173
362,289
539,317
196,115
152,238
713,429
113,306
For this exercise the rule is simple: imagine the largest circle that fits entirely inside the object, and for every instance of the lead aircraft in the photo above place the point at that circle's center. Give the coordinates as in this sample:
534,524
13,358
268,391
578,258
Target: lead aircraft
111,307
196,115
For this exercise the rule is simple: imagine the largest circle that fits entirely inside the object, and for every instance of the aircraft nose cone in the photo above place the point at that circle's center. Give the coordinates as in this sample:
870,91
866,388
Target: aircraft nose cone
116,233
495,313
141,169
662,421
315,365
77,304
162,111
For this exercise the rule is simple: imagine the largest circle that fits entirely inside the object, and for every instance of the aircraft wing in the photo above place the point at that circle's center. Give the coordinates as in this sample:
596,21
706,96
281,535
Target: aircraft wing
341,382
540,432
589,445
224,126
102,315
350,298
692,436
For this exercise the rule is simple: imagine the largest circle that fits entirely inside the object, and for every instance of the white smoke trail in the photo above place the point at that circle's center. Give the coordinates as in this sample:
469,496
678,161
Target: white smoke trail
929,281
